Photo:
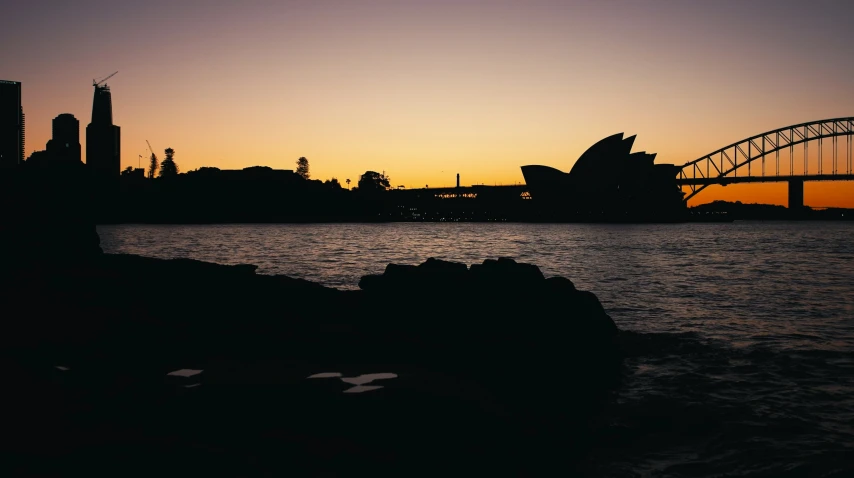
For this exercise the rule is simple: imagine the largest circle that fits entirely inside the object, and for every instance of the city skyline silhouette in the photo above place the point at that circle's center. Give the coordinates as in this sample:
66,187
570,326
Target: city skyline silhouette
428,91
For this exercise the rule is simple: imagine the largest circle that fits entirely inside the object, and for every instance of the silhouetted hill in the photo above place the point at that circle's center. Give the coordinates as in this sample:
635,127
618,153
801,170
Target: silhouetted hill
211,195
740,211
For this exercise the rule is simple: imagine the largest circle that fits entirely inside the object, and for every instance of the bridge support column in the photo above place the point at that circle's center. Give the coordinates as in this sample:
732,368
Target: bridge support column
796,194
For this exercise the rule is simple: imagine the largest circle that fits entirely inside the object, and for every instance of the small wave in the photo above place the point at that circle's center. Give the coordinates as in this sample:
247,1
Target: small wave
634,343
695,406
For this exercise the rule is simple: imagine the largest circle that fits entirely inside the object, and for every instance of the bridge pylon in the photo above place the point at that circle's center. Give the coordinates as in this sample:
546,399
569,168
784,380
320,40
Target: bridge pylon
796,194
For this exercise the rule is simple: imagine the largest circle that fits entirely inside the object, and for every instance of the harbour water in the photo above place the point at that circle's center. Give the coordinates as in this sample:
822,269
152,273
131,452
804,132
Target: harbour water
741,356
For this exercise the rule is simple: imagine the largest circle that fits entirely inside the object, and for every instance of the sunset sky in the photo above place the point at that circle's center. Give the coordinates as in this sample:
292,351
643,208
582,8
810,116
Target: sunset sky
426,89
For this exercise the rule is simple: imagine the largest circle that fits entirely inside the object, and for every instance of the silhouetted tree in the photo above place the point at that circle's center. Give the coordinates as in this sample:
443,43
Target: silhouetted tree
302,167
152,168
128,170
348,183
168,168
333,183
374,181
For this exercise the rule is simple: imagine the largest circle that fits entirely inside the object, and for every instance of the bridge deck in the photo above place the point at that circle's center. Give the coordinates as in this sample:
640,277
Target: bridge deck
762,179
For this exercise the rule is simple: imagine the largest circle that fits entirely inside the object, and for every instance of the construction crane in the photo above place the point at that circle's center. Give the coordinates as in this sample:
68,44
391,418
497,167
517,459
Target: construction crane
97,83
150,170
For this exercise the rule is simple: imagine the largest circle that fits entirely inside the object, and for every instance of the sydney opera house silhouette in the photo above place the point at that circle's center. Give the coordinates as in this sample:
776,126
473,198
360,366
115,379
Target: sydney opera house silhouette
608,183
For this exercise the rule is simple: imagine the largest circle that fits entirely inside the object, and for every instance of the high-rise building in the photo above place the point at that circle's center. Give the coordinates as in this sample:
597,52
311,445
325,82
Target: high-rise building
65,144
103,138
11,124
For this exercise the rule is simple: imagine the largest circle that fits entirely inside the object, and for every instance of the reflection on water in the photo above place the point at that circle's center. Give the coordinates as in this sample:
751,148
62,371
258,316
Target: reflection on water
361,381
740,336
363,388
184,372
368,378
325,375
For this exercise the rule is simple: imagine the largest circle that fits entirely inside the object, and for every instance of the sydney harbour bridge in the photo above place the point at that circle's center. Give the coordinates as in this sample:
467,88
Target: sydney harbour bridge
780,155
815,151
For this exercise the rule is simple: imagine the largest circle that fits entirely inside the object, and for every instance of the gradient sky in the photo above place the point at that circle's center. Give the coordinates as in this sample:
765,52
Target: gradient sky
424,90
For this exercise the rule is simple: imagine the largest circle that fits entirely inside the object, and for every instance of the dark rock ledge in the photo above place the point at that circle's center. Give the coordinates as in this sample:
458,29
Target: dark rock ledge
498,368
155,309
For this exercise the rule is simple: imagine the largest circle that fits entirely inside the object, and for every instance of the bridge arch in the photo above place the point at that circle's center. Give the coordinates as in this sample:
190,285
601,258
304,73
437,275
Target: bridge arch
722,166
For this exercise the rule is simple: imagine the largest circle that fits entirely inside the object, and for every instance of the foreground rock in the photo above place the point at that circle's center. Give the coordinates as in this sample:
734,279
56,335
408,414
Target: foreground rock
502,295
499,317
438,302
497,368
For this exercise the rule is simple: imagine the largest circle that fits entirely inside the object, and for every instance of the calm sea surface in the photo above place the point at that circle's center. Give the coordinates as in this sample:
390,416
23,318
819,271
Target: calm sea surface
744,332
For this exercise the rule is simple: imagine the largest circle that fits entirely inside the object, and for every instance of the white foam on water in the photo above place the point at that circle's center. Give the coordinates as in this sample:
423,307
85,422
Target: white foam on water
325,375
184,372
363,388
368,378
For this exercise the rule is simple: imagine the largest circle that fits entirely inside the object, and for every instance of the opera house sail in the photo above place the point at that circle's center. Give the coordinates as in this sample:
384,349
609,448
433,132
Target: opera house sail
608,183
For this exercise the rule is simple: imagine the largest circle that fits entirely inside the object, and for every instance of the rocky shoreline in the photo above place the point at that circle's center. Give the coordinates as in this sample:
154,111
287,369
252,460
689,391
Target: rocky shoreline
493,365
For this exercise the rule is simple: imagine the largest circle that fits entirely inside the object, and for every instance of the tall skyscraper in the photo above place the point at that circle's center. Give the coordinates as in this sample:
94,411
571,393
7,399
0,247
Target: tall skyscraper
103,138
11,124
65,144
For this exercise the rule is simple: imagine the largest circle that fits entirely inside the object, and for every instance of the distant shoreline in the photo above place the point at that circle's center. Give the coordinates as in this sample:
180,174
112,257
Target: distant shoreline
690,221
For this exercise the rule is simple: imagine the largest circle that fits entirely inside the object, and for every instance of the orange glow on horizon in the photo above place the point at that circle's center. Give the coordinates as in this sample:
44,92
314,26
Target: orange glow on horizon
816,194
